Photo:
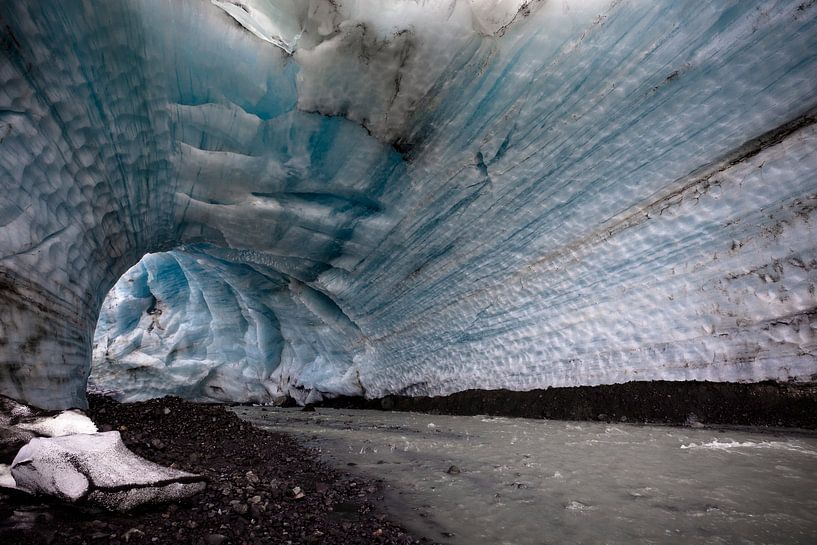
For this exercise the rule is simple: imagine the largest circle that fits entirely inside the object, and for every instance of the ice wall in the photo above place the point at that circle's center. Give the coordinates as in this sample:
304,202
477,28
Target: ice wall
415,197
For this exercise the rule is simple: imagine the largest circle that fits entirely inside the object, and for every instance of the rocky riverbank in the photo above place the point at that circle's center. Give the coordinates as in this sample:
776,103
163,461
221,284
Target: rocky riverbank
263,487
767,404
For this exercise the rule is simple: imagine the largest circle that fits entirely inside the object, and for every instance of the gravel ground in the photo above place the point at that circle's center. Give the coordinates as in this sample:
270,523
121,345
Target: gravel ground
263,488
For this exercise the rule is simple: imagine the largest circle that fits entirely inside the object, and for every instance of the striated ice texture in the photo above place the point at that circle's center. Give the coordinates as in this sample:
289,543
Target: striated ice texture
372,197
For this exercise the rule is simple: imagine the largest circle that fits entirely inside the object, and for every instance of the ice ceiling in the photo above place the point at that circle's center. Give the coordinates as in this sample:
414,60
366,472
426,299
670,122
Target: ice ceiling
417,197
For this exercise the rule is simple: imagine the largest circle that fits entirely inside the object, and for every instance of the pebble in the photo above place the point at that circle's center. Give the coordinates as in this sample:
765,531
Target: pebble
132,533
215,539
256,512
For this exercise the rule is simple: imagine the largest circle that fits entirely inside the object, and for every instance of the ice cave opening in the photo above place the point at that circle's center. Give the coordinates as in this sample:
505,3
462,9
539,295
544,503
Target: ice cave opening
190,324
601,214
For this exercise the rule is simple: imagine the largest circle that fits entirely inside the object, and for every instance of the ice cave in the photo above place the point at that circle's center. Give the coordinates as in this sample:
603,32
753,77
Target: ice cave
250,201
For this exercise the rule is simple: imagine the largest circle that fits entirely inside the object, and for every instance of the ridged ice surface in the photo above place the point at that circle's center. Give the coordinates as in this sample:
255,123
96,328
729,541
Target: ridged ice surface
415,197
186,324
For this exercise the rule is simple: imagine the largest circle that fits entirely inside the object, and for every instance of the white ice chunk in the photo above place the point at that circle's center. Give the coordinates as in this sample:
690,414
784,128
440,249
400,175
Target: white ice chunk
6,480
99,469
66,423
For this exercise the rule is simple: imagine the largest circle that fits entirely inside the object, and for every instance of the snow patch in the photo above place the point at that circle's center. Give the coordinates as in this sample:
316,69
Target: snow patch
66,423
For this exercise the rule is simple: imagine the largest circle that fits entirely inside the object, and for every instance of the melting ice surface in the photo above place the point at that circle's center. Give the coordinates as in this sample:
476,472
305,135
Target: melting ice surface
98,468
533,481
377,197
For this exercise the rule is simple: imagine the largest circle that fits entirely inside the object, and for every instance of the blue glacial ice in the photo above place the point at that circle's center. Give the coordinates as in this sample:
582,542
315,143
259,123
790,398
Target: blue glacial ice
188,324
373,197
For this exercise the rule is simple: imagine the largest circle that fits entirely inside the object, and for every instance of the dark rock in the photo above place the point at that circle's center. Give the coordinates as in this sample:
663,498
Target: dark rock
453,470
241,508
134,534
285,401
256,512
215,539
11,441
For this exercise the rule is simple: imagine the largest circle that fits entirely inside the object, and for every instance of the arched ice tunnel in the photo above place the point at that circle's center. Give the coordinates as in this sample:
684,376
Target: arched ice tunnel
419,198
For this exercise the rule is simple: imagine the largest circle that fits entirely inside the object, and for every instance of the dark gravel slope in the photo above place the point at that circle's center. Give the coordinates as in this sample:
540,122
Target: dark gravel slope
256,479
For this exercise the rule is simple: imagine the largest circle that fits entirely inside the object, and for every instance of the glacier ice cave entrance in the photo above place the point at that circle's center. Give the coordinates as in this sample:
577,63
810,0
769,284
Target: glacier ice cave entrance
411,199
583,210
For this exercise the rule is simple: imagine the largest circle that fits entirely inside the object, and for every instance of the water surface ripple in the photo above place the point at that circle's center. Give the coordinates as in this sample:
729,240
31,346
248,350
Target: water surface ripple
526,481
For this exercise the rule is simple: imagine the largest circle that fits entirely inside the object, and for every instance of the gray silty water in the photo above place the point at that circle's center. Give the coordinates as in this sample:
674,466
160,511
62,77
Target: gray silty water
539,481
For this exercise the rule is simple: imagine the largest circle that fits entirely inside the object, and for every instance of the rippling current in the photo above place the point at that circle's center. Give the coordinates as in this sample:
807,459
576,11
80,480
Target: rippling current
553,482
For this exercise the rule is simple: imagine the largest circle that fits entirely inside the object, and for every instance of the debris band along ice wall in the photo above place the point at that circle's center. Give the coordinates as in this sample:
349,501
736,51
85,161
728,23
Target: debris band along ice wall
370,197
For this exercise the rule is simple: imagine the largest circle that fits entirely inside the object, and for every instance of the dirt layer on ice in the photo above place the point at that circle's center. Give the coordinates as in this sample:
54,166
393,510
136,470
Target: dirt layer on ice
777,404
263,488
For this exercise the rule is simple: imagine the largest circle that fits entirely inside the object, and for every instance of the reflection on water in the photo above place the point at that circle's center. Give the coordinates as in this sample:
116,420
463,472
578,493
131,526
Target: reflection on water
538,481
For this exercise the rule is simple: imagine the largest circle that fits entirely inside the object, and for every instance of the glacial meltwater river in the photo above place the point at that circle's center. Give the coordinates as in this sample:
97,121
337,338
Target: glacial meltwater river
526,481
